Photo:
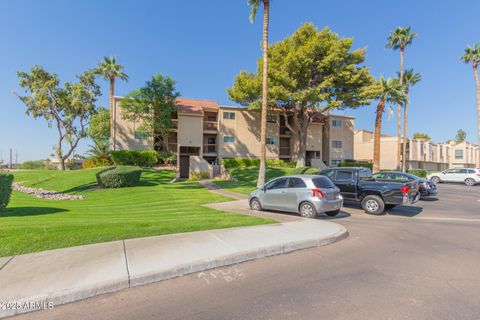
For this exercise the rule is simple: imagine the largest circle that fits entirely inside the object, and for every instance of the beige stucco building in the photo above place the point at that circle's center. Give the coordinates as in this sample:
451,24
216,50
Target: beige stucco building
421,153
205,132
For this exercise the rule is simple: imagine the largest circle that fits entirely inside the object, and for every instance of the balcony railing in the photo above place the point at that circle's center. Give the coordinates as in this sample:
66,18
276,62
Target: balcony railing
209,148
174,123
284,151
210,125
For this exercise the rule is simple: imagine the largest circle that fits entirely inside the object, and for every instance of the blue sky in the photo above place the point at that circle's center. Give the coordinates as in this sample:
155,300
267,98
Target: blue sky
204,44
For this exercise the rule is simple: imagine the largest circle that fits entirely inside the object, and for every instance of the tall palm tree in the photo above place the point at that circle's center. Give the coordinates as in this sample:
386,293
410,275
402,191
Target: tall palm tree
399,39
255,4
389,91
472,55
409,80
110,70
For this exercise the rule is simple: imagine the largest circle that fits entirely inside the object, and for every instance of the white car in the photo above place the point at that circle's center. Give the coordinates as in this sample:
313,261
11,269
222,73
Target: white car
469,176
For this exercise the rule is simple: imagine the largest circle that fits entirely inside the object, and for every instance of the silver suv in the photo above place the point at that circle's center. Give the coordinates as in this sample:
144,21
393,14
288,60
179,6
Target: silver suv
469,176
307,195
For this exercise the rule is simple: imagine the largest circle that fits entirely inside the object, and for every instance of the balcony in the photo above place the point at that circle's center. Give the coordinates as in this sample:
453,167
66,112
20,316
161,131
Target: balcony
285,151
210,126
209,149
174,124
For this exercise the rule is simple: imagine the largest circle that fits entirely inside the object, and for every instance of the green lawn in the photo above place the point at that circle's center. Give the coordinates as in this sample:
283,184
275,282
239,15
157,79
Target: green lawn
247,177
155,207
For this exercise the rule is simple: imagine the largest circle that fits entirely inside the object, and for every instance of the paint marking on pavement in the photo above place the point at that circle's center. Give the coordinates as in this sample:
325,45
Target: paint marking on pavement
226,274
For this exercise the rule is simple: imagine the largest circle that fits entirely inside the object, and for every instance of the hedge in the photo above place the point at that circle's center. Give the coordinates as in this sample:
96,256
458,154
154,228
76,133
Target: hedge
418,172
247,162
6,180
363,164
141,158
95,162
119,177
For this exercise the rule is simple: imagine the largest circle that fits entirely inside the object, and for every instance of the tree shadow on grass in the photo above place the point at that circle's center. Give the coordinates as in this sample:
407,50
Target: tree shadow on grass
82,188
29,211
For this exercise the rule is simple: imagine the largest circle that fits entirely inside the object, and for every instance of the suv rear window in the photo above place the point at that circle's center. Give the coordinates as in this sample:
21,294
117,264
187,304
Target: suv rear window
323,183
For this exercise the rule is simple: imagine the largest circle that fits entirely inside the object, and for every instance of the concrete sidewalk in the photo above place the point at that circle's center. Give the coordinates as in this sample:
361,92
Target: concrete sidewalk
33,281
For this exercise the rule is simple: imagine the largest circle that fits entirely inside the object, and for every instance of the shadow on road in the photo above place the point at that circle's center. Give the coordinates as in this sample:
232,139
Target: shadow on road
404,211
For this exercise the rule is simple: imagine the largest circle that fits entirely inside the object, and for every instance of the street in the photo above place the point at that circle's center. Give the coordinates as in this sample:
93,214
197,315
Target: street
419,262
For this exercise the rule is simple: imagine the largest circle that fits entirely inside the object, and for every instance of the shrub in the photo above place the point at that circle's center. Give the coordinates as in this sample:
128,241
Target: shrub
418,172
247,162
95,162
6,180
195,176
363,164
167,157
33,165
119,177
141,158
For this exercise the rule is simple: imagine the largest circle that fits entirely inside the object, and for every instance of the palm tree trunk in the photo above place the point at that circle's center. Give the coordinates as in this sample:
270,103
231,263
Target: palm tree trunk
263,127
405,128
399,111
477,90
112,92
377,136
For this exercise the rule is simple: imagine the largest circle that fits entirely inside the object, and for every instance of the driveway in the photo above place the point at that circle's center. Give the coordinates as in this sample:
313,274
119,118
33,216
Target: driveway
419,262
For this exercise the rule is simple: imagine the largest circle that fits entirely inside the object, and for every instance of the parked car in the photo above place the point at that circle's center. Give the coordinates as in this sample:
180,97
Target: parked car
427,187
307,195
469,176
357,184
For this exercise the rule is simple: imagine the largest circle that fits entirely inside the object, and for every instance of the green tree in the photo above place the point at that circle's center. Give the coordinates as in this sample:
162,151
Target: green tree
68,108
99,132
388,91
419,135
311,73
472,55
110,70
255,4
410,79
151,107
461,135
399,39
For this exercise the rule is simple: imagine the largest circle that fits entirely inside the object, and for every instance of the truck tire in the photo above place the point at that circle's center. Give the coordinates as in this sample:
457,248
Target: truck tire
373,204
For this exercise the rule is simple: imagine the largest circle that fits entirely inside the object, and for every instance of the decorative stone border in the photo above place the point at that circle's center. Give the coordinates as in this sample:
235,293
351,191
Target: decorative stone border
45,194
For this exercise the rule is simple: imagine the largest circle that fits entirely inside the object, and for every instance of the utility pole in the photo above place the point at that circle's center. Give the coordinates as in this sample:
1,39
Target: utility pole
10,158
16,159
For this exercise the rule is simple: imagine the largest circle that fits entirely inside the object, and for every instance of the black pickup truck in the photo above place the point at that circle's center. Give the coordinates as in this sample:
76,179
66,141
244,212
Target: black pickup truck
357,184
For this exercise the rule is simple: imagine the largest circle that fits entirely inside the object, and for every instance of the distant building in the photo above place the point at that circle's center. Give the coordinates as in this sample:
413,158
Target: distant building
421,153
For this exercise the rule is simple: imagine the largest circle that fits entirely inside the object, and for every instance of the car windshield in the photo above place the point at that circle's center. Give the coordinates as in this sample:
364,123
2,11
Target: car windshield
323,183
411,176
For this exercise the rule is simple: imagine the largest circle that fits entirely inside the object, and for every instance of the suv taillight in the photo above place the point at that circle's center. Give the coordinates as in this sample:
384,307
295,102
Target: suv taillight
317,193
404,189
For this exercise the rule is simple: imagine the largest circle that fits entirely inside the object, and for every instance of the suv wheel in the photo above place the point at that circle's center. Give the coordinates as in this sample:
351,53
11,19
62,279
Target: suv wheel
255,205
469,182
435,180
307,210
373,204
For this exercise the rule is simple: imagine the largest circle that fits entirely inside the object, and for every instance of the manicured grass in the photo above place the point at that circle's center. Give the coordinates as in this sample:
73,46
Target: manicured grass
247,177
155,207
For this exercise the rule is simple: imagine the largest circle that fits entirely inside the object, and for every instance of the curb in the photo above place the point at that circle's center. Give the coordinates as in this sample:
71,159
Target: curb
181,270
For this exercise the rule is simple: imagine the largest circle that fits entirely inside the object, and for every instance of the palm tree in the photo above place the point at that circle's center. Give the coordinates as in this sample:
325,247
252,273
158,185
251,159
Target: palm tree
472,55
110,70
409,80
389,91
255,4
399,39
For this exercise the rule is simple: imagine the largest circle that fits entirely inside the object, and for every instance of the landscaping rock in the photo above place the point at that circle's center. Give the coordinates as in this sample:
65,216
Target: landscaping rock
45,194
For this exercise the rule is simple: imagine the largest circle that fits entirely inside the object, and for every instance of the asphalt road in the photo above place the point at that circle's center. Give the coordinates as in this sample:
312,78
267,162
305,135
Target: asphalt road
420,262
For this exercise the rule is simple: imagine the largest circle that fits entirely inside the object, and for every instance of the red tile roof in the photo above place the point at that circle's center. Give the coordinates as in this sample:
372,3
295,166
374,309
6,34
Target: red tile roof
194,106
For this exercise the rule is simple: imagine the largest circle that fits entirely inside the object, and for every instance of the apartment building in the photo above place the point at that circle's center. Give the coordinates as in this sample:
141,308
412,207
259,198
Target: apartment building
205,132
420,153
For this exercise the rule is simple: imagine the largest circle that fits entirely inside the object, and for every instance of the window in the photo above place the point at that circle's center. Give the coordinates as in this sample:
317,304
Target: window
211,118
328,173
463,171
140,135
344,175
458,154
229,115
323,183
336,162
397,177
336,144
229,139
211,140
277,184
272,118
296,183
270,141
336,123
364,173
471,171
